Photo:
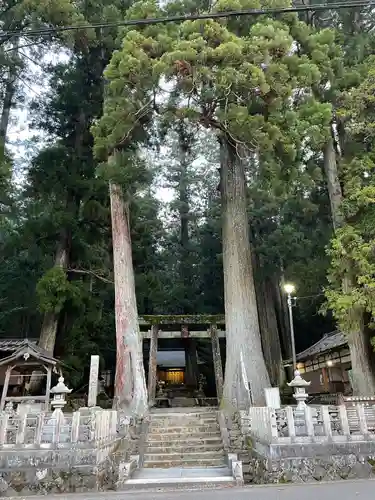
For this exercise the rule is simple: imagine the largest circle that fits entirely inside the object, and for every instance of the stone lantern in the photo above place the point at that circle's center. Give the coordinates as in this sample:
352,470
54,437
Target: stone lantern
300,395
59,394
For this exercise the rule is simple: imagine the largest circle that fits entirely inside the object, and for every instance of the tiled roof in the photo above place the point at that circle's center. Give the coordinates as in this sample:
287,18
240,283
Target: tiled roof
29,348
328,342
14,344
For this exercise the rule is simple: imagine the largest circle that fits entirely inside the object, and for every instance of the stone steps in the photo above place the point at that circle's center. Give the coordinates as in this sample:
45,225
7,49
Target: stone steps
185,439
184,463
180,479
188,430
184,423
200,455
178,447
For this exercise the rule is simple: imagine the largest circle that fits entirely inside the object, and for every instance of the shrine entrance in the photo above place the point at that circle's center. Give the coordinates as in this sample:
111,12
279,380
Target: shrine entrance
183,359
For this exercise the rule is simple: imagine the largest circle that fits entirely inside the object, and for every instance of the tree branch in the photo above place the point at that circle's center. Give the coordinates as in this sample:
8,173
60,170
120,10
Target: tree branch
92,273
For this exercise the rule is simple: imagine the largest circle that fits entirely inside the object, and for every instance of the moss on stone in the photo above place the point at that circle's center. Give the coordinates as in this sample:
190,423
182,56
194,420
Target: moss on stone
283,480
249,443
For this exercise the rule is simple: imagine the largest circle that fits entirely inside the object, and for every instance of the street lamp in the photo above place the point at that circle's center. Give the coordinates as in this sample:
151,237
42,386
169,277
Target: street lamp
289,288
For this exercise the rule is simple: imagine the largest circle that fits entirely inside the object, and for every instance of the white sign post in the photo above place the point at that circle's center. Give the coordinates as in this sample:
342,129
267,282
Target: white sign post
94,382
273,397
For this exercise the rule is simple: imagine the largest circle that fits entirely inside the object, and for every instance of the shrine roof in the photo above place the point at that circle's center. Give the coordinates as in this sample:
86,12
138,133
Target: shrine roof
14,344
330,341
27,349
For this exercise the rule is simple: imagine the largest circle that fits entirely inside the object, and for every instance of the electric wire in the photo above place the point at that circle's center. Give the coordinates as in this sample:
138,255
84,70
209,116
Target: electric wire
194,17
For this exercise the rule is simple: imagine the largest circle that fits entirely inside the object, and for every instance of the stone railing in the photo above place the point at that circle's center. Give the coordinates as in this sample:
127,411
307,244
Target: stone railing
310,424
49,429
260,422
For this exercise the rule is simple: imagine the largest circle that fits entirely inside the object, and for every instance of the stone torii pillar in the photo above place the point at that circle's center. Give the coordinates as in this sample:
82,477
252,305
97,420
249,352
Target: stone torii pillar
218,366
152,365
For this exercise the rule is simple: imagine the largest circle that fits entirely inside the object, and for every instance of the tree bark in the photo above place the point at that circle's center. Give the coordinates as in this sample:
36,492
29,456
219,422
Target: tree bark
359,342
241,314
333,183
269,331
10,89
191,365
363,378
130,383
48,332
361,353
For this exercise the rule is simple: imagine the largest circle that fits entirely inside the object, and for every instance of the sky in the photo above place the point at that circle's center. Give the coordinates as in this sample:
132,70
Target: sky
21,135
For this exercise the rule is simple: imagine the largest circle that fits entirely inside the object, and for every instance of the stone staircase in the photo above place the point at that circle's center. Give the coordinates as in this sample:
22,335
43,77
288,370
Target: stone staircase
189,438
183,449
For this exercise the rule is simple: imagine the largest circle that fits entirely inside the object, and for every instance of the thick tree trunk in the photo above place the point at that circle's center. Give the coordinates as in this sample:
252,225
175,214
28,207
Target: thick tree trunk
359,342
361,353
362,374
191,370
241,314
48,332
268,321
10,89
7,106
269,332
130,383
185,271
333,183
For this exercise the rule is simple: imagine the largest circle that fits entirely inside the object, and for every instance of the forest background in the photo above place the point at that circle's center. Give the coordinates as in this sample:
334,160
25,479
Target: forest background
309,205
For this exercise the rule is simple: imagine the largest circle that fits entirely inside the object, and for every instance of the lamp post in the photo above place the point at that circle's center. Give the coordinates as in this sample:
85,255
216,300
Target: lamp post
289,288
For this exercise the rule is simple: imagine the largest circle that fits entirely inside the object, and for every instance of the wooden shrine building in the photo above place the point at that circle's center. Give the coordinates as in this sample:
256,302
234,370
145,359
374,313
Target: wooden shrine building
19,366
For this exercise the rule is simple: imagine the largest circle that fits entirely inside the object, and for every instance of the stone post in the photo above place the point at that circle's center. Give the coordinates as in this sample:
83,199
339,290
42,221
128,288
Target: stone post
5,387
272,395
218,367
152,365
191,358
93,382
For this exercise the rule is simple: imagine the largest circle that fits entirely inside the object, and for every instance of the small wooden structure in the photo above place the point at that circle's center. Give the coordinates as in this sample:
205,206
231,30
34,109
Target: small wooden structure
27,359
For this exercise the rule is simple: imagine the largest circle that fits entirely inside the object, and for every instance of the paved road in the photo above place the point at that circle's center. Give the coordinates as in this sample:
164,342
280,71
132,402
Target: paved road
345,490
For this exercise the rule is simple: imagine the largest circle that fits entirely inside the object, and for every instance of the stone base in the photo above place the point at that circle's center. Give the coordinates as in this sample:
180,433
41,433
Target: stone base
20,483
302,470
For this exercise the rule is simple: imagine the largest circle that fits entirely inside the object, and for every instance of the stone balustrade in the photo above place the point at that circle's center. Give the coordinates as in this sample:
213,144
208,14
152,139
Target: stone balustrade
49,429
310,424
62,452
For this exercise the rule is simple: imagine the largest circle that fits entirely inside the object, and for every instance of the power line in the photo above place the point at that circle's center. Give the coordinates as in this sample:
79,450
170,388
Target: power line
194,17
